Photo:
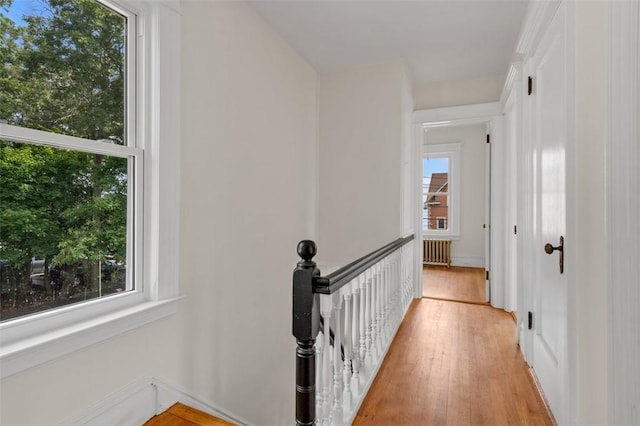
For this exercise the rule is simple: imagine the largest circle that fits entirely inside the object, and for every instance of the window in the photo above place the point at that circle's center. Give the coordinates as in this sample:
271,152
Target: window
68,155
435,191
82,179
441,190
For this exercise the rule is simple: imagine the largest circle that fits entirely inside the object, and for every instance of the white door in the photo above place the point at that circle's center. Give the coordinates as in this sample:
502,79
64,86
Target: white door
549,97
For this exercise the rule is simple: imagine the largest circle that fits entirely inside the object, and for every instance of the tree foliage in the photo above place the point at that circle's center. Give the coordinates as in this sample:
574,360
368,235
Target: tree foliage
63,72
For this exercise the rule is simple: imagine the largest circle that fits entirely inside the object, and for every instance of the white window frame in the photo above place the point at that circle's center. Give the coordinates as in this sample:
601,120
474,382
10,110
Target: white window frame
32,340
451,151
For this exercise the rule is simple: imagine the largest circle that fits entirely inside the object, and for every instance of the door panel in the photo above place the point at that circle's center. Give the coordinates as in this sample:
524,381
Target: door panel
549,69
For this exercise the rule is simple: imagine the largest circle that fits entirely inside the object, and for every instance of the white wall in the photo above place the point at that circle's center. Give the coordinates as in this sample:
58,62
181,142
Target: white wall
53,392
469,250
360,177
249,126
455,93
249,138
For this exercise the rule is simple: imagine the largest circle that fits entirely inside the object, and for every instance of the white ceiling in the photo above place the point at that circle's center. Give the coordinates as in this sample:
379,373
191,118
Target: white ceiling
444,40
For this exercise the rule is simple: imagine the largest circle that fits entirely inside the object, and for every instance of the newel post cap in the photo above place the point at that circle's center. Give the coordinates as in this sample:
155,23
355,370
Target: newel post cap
307,249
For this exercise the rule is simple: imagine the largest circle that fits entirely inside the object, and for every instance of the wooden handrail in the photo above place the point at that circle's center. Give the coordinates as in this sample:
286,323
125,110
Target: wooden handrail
337,279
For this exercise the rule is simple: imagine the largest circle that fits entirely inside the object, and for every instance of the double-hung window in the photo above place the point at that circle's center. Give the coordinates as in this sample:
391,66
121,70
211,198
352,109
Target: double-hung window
441,190
80,187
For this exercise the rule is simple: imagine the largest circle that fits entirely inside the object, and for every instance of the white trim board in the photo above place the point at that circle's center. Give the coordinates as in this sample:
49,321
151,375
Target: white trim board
468,261
623,229
458,115
142,399
513,77
537,20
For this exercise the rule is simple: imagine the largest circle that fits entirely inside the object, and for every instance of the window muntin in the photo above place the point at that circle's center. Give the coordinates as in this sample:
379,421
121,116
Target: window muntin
66,102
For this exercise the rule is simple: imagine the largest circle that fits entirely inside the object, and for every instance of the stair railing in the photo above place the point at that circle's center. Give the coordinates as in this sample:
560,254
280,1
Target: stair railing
343,324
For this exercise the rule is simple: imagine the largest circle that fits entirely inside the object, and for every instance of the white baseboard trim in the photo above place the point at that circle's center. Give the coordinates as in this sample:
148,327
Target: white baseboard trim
468,261
139,401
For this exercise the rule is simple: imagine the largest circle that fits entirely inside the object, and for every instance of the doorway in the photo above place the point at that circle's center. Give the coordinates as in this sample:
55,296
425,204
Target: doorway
454,205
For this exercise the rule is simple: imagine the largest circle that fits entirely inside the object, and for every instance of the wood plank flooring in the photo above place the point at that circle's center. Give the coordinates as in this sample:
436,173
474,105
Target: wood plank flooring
453,364
182,415
455,283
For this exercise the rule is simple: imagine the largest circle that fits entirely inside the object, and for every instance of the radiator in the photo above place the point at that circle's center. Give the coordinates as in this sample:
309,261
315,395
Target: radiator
437,252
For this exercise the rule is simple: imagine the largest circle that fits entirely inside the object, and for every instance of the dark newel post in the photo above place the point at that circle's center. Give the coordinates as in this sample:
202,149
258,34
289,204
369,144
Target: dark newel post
306,319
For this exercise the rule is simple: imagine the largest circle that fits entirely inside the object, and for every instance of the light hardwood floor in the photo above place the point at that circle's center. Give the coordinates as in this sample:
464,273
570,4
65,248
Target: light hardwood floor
183,415
455,283
453,364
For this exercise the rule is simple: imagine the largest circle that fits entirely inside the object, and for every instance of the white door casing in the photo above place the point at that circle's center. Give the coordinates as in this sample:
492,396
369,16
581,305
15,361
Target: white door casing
622,212
490,114
487,219
512,126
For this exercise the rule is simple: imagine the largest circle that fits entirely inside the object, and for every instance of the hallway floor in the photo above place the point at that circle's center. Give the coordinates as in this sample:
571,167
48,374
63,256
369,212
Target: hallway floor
455,283
453,364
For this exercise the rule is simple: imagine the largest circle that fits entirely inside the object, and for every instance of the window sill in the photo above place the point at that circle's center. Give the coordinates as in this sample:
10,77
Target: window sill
439,236
27,353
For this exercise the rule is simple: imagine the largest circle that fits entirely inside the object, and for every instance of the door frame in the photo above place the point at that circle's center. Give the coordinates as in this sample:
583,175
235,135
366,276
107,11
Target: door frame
487,113
512,107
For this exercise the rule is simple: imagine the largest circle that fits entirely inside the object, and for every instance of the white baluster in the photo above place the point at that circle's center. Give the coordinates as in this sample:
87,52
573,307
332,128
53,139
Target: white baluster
384,297
405,280
377,318
408,292
365,326
356,359
409,277
319,374
336,409
347,369
381,306
396,292
386,301
325,311
401,293
372,289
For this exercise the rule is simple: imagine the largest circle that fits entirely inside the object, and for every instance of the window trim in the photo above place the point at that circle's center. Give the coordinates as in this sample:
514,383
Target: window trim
32,340
452,151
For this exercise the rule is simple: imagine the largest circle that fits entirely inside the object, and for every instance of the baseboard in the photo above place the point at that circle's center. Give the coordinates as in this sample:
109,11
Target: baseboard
139,401
541,396
468,261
